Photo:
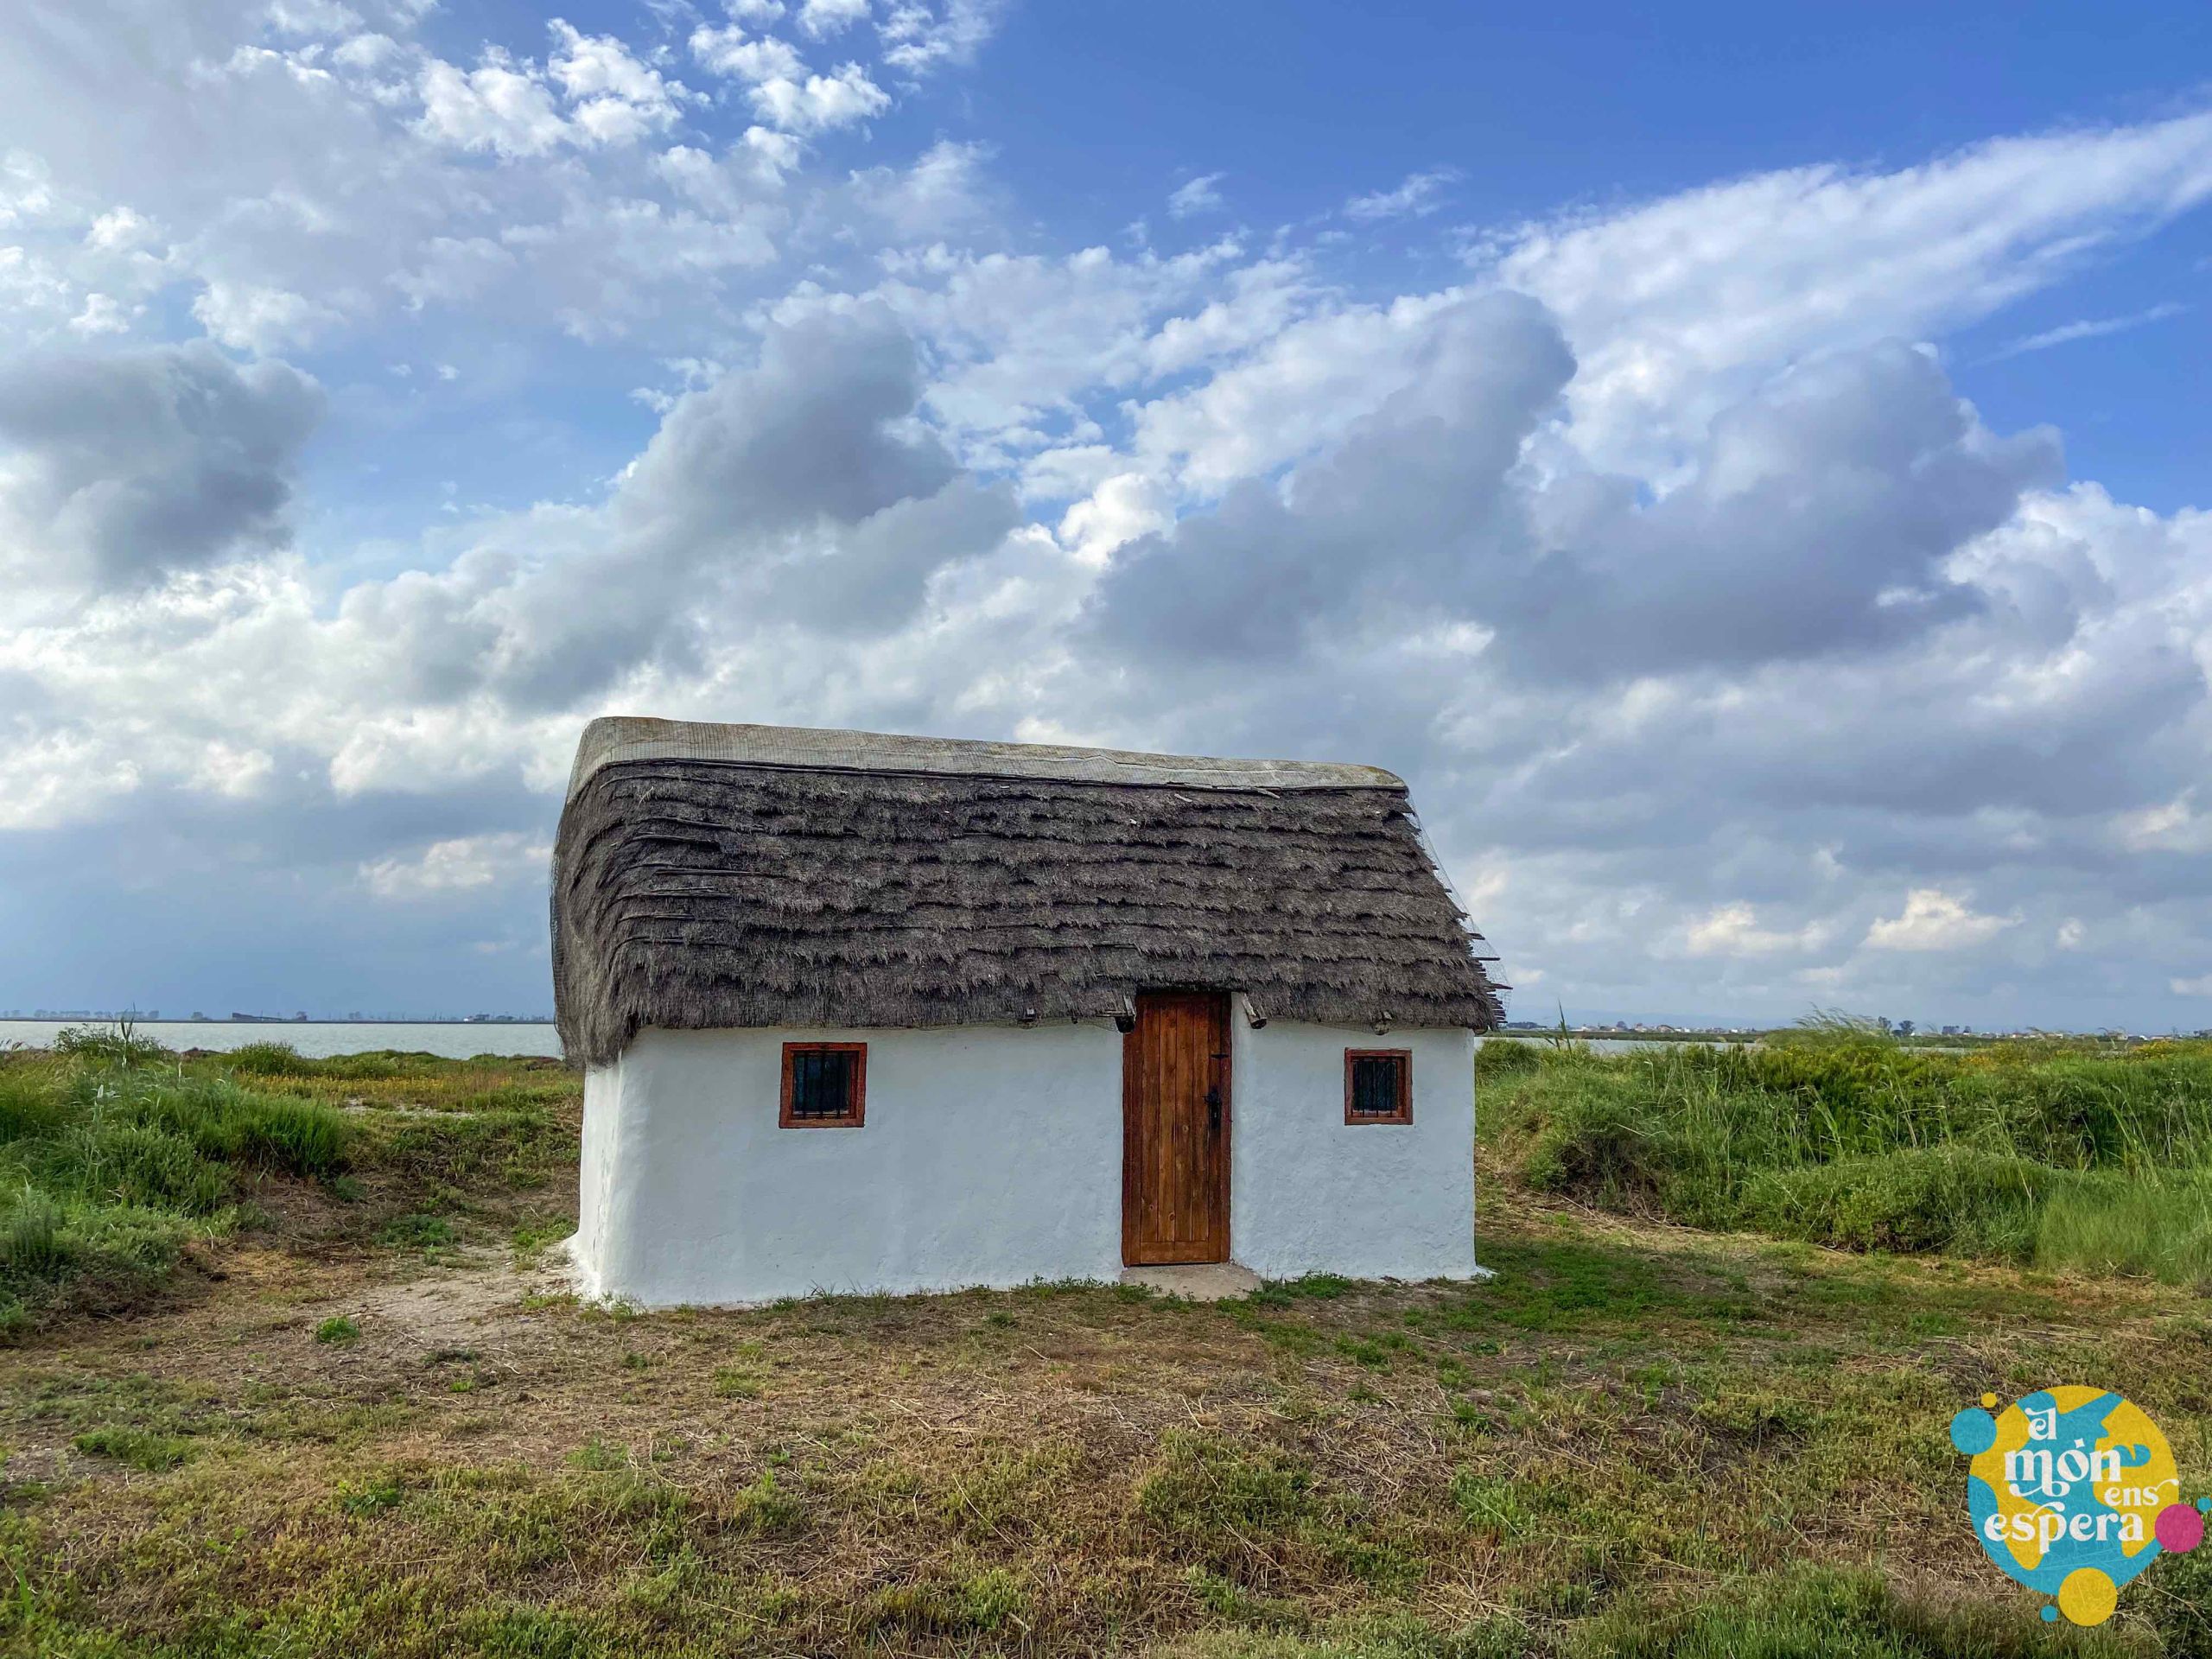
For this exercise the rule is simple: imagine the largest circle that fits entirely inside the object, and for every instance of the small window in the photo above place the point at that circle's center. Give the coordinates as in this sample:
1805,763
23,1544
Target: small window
1378,1085
825,1085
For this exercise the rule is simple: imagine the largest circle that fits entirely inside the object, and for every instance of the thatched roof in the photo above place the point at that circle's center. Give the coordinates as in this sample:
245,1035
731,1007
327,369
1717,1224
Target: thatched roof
757,875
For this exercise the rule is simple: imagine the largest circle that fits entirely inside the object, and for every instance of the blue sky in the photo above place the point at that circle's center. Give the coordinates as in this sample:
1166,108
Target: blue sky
1743,464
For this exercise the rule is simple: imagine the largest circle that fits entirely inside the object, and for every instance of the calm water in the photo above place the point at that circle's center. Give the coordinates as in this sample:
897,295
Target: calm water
453,1042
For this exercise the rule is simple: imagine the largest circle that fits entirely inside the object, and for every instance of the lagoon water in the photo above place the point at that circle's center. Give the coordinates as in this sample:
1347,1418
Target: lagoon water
450,1040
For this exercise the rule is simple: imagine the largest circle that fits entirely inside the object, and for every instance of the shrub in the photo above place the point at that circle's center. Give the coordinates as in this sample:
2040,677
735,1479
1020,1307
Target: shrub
31,1244
145,1166
268,1060
1502,1056
118,1047
30,1107
1601,1143
274,1059
295,1136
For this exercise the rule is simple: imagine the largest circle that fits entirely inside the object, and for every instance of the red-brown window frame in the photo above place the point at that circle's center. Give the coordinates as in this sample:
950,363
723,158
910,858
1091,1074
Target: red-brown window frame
1404,1057
856,1116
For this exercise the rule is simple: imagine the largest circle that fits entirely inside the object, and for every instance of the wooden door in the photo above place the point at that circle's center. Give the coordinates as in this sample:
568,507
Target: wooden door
1175,1129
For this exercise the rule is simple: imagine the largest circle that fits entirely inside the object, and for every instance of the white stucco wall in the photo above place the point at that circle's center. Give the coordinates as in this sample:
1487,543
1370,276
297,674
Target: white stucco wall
595,1178
989,1156
992,1155
1312,1193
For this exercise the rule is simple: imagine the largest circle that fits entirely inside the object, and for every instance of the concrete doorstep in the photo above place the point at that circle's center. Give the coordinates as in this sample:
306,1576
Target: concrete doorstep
1197,1281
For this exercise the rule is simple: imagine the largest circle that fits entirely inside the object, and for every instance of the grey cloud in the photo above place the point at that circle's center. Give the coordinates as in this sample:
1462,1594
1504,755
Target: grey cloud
872,578
808,434
798,490
1864,669
122,467
425,638
1818,521
1415,506
1970,721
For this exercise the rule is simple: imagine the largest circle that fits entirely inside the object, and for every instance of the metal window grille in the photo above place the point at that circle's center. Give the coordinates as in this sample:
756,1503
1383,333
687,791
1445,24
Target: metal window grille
822,1084
1375,1086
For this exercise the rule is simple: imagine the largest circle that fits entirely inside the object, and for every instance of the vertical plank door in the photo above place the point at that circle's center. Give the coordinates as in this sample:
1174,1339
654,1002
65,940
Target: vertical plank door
1175,1129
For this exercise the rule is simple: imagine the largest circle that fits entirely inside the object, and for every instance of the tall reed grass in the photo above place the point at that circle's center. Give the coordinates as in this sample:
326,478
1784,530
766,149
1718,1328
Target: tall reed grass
2070,1154
112,1158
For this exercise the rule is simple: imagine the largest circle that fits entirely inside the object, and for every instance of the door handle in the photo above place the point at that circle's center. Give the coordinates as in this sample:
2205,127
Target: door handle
1213,1110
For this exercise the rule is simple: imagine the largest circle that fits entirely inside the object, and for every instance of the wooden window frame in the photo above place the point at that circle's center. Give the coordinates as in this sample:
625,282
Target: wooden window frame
1404,1057
856,1116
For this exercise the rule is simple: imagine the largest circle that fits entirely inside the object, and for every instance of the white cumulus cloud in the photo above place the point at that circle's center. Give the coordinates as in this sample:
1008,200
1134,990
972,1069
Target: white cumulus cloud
459,865
1734,931
1934,920
1195,196
1417,196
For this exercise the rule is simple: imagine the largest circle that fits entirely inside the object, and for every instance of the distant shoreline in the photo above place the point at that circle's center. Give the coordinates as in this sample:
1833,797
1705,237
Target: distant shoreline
151,1020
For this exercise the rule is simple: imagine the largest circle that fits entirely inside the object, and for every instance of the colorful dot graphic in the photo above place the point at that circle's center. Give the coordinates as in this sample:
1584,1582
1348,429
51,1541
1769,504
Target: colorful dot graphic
2088,1596
2181,1527
1974,1432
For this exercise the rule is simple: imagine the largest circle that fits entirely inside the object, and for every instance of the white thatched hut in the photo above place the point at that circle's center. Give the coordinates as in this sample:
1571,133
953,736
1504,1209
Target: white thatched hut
897,1013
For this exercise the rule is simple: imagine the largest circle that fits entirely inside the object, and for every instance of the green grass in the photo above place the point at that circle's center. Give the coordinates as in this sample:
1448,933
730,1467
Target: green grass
114,1157
140,1448
2076,1156
1637,1439
1676,1446
117,1155
533,1238
417,1231
1223,1508
371,1496
1813,1614
282,1060
2153,1222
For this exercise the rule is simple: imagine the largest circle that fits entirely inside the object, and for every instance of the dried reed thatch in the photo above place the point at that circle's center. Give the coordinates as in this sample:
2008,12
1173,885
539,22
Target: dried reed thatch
728,875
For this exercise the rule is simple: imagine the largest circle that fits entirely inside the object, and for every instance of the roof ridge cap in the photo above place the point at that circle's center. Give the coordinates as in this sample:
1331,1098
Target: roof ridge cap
616,738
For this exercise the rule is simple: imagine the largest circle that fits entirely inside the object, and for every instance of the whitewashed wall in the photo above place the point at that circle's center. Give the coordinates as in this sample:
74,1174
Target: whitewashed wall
989,1156
1312,1193
992,1155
